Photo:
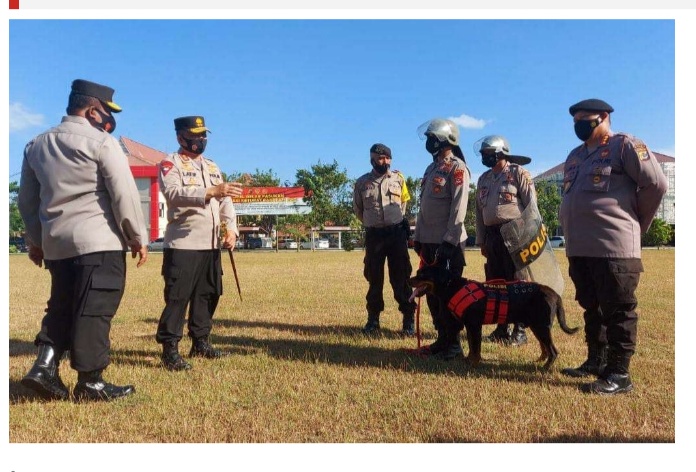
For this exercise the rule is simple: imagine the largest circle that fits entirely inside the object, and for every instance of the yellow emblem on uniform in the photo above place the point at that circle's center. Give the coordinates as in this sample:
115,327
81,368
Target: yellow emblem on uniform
596,179
642,152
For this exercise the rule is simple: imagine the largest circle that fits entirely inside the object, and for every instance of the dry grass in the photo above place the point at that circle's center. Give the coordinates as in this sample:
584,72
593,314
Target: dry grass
300,371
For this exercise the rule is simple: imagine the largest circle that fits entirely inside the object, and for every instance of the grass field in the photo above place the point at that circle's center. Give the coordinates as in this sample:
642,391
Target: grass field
300,371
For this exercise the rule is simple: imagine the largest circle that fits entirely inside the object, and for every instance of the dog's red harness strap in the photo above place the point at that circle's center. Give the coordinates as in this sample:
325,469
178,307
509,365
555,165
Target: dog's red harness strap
496,306
467,295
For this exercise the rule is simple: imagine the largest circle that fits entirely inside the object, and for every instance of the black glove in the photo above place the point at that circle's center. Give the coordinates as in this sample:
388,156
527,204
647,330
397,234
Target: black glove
446,251
417,247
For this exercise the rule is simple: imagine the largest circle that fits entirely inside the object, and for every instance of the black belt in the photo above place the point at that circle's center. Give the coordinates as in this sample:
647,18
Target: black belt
385,230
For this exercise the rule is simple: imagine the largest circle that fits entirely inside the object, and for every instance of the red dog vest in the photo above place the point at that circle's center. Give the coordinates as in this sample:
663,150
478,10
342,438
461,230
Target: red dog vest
495,294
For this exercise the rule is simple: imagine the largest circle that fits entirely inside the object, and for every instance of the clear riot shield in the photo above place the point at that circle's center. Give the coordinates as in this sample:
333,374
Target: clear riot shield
527,241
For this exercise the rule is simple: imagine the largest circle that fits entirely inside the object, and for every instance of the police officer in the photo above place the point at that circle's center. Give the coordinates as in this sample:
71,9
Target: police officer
612,188
198,201
440,235
81,209
503,192
379,202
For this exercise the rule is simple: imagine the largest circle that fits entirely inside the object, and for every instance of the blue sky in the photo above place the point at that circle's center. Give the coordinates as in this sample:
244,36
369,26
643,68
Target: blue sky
286,94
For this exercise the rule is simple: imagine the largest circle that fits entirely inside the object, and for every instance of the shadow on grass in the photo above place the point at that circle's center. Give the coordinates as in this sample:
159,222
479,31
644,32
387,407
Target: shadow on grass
564,438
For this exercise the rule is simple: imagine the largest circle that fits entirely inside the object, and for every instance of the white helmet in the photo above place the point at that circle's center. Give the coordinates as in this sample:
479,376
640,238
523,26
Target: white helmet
444,131
499,145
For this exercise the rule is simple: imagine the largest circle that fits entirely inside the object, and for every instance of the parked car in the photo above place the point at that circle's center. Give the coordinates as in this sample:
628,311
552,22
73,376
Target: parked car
253,243
156,245
557,241
239,244
318,244
19,244
287,243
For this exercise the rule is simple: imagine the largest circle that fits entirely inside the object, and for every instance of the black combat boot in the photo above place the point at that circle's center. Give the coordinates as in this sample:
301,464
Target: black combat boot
594,365
92,387
499,335
43,376
202,348
614,379
518,336
372,325
171,359
408,326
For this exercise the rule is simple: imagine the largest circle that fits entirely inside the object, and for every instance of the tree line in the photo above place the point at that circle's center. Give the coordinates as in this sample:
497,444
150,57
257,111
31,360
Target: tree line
329,192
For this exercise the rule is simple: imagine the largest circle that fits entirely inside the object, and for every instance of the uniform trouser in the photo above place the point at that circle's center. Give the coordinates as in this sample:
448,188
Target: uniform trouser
605,289
392,247
194,279
456,268
86,291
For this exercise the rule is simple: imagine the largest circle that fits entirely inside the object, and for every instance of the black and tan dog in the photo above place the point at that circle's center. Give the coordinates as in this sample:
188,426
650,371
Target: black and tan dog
472,304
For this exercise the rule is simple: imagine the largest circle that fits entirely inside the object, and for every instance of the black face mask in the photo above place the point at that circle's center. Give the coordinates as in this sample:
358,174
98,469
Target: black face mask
489,160
108,122
380,168
584,128
195,145
433,145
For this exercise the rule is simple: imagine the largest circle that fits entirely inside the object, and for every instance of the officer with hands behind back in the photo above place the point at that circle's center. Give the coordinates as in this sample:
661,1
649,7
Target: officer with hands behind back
612,188
379,202
198,202
440,235
82,212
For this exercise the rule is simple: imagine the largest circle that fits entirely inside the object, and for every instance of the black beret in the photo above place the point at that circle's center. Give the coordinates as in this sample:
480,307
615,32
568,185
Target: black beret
379,148
194,124
591,104
91,89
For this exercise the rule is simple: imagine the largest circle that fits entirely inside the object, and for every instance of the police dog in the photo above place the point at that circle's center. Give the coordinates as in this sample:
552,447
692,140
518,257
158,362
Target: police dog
472,304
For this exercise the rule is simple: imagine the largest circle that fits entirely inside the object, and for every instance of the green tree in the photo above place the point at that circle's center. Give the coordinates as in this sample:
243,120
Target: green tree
413,205
548,202
16,222
659,234
329,193
470,218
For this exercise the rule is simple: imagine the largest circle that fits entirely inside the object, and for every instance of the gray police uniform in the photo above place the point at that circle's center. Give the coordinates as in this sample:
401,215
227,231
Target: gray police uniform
80,204
192,267
379,202
610,197
500,198
443,202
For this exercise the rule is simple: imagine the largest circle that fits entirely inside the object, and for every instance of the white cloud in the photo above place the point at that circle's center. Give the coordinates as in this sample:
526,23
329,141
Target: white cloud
22,118
468,122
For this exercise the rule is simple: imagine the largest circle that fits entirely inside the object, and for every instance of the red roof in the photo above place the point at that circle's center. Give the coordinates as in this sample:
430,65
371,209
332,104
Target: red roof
140,155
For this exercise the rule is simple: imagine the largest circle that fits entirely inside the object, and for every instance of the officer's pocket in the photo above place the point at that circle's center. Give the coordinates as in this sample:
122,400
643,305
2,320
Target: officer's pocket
598,181
626,275
104,295
172,282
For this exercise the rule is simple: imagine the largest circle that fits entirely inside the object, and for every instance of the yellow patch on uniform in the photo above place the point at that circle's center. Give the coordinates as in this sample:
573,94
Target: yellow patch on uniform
642,152
596,179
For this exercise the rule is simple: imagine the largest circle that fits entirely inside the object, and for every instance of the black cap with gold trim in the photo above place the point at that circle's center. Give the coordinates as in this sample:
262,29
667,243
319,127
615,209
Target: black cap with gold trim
91,89
194,124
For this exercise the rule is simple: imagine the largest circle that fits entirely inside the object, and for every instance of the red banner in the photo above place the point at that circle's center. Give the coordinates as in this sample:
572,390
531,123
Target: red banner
14,4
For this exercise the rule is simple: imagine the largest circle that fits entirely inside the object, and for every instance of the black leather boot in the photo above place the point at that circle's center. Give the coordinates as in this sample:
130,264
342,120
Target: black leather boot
92,387
372,325
499,335
408,326
171,359
43,376
202,348
518,336
594,365
614,379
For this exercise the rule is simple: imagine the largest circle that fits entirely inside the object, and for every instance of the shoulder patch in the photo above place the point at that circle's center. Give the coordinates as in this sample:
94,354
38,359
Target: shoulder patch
458,177
166,166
